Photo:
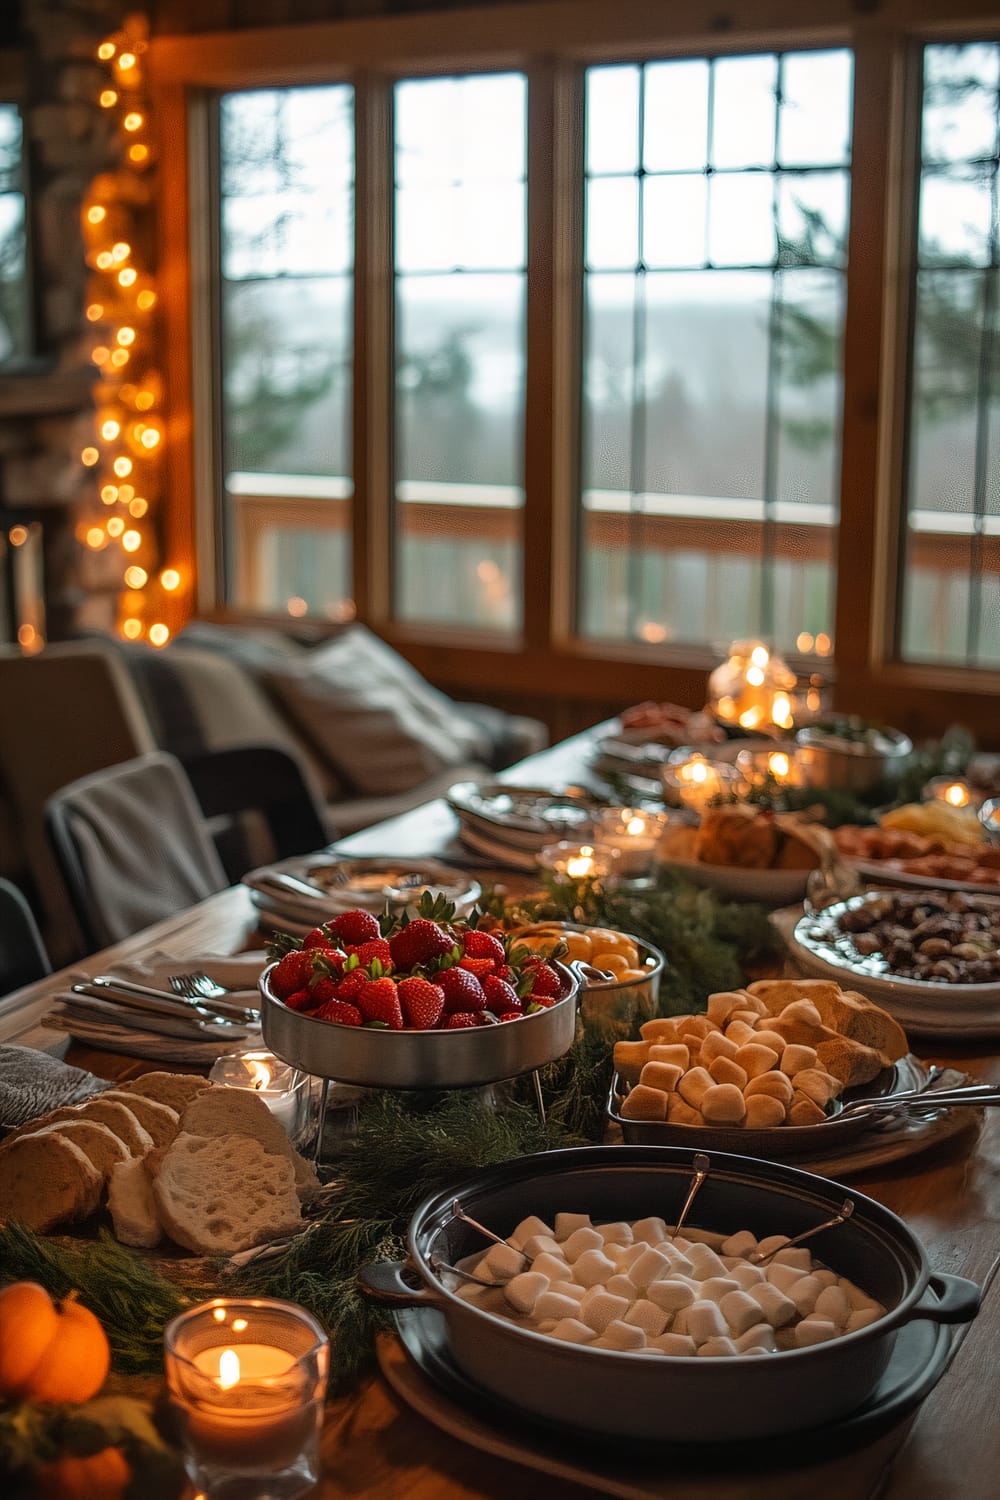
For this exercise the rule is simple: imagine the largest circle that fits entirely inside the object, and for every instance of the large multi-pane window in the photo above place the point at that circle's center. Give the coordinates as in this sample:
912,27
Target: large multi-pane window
15,320
714,253
460,251
951,597
286,319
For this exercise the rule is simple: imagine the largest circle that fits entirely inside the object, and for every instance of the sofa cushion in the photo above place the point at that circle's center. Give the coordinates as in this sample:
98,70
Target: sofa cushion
371,716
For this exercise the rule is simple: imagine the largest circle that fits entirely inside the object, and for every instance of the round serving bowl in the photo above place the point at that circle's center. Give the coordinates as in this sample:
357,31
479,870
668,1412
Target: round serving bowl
377,1058
597,991
661,1397
828,759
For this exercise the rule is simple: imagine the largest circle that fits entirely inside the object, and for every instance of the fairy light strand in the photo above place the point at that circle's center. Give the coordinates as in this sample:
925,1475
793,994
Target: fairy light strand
126,449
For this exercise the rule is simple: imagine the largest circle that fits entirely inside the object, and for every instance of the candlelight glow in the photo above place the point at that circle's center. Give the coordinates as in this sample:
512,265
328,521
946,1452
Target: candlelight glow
957,795
579,866
778,764
636,825
229,1368
781,710
260,1073
755,676
760,656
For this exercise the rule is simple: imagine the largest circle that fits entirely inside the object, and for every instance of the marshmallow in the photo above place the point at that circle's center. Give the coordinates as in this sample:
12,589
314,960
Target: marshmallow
647,1316
825,1277
500,1263
620,1335
832,1303
771,1243
676,1344
740,1312
593,1267
861,1318
704,1263
799,1260
579,1241
651,1230
552,1266
747,1276
804,1294
527,1229
567,1224
572,1331
776,1307
554,1305
758,1339
570,1289
617,1234
524,1290
651,1266
600,1307
540,1244
705,1321
783,1277
741,1244
671,1295
814,1331
717,1287
717,1348
621,1286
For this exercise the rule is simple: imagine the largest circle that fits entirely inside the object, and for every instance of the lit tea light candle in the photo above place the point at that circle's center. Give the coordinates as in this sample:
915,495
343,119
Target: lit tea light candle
696,782
568,862
753,688
950,789
635,834
781,767
246,1380
284,1090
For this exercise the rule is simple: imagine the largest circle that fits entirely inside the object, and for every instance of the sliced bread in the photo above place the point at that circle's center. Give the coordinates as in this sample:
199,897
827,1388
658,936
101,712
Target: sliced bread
95,1140
132,1205
224,1111
118,1117
47,1180
225,1193
173,1089
159,1120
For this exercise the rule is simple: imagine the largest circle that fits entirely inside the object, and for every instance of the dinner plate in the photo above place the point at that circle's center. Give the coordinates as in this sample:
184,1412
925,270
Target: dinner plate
773,887
337,885
780,1143
884,871
533,810
820,948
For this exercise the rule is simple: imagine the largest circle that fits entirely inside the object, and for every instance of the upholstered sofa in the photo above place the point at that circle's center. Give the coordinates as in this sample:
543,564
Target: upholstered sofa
372,736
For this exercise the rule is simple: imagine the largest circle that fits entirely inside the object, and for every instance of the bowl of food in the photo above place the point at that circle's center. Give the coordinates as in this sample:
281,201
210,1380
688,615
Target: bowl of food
591,1316
851,753
748,853
432,1004
616,970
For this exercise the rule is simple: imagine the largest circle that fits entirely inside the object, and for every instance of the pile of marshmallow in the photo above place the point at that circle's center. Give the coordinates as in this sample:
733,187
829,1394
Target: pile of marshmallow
630,1287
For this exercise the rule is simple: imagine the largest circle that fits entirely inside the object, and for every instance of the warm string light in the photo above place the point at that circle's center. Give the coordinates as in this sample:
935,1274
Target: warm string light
126,451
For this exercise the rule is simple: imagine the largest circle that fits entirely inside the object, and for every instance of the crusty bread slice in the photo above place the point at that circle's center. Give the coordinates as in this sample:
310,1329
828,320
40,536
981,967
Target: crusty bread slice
849,1061
225,1193
95,1140
46,1180
224,1111
159,1120
132,1205
173,1089
874,1027
118,1117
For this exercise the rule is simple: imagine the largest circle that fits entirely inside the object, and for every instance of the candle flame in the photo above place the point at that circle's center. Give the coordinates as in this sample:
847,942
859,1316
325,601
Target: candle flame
699,771
755,676
781,710
957,795
260,1073
751,717
635,825
778,764
229,1369
580,865
760,656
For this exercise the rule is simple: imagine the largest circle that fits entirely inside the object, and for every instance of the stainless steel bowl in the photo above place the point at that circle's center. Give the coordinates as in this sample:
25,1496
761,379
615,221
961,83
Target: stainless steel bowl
856,766
374,1058
668,1398
596,992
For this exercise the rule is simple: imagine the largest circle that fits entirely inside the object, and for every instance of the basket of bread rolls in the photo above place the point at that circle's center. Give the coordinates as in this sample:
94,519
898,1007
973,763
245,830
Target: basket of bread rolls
765,1070
749,852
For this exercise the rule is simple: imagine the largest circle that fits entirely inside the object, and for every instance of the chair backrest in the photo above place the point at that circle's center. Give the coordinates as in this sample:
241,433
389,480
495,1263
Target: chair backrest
70,710
132,846
23,958
263,780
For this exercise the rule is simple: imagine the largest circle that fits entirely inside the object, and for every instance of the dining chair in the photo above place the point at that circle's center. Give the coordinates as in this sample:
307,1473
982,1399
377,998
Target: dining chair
23,958
259,805
133,846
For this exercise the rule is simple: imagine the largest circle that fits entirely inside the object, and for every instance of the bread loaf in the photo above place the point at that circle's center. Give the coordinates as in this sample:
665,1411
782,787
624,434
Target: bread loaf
47,1180
173,1089
118,1117
132,1205
160,1121
95,1140
225,1193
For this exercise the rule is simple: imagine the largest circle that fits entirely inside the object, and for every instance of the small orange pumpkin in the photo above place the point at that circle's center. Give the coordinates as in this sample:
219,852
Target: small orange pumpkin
101,1476
49,1351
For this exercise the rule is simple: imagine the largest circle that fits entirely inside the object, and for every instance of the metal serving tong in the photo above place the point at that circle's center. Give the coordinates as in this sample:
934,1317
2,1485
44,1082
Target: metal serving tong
915,1101
846,1210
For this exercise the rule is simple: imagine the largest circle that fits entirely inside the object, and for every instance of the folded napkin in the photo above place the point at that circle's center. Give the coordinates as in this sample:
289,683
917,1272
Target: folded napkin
32,1083
146,1044
238,973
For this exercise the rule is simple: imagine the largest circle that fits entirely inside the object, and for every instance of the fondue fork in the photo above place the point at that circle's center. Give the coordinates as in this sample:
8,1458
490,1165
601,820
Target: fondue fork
702,1166
846,1210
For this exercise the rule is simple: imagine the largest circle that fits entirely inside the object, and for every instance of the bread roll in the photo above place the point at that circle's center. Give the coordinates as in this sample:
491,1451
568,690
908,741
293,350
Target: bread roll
46,1180
225,1193
160,1121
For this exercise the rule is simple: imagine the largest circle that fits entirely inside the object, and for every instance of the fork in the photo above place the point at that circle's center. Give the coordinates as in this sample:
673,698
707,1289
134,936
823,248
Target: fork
201,986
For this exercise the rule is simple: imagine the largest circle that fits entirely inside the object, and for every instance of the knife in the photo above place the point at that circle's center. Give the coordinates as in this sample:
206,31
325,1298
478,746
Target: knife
145,1012
168,998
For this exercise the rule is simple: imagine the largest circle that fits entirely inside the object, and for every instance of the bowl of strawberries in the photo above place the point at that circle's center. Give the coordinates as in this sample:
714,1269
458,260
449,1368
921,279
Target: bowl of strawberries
415,1002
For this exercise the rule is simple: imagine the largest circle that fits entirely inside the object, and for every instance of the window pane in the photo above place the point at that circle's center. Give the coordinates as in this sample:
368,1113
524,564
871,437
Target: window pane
952,575
286,250
15,321
460,311
711,363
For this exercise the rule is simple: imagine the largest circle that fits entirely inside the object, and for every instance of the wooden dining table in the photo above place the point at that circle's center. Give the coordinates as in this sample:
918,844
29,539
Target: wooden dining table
375,1444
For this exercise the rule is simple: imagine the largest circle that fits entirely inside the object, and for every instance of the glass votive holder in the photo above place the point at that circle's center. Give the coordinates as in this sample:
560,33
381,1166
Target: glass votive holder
570,864
246,1380
284,1090
772,769
696,783
634,833
954,790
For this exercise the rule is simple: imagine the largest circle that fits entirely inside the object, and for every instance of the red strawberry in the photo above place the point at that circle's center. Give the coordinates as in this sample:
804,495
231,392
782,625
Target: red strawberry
300,1000
374,948
378,1000
484,945
321,989
355,926
500,996
317,938
422,1002
538,1002
481,967
460,1020
545,981
462,991
352,984
510,1015
290,973
417,942
341,1012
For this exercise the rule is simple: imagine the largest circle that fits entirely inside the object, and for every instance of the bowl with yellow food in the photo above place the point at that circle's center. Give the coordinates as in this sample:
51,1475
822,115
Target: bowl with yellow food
615,969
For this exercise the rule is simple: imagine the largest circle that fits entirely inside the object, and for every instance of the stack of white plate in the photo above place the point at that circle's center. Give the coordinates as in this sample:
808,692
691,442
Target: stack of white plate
298,894
510,825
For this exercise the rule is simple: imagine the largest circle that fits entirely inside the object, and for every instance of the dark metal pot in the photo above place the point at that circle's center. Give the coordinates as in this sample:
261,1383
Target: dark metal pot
672,1399
374,1058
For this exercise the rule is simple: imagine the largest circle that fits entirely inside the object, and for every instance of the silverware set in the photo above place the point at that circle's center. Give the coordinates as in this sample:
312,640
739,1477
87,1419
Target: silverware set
187,997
